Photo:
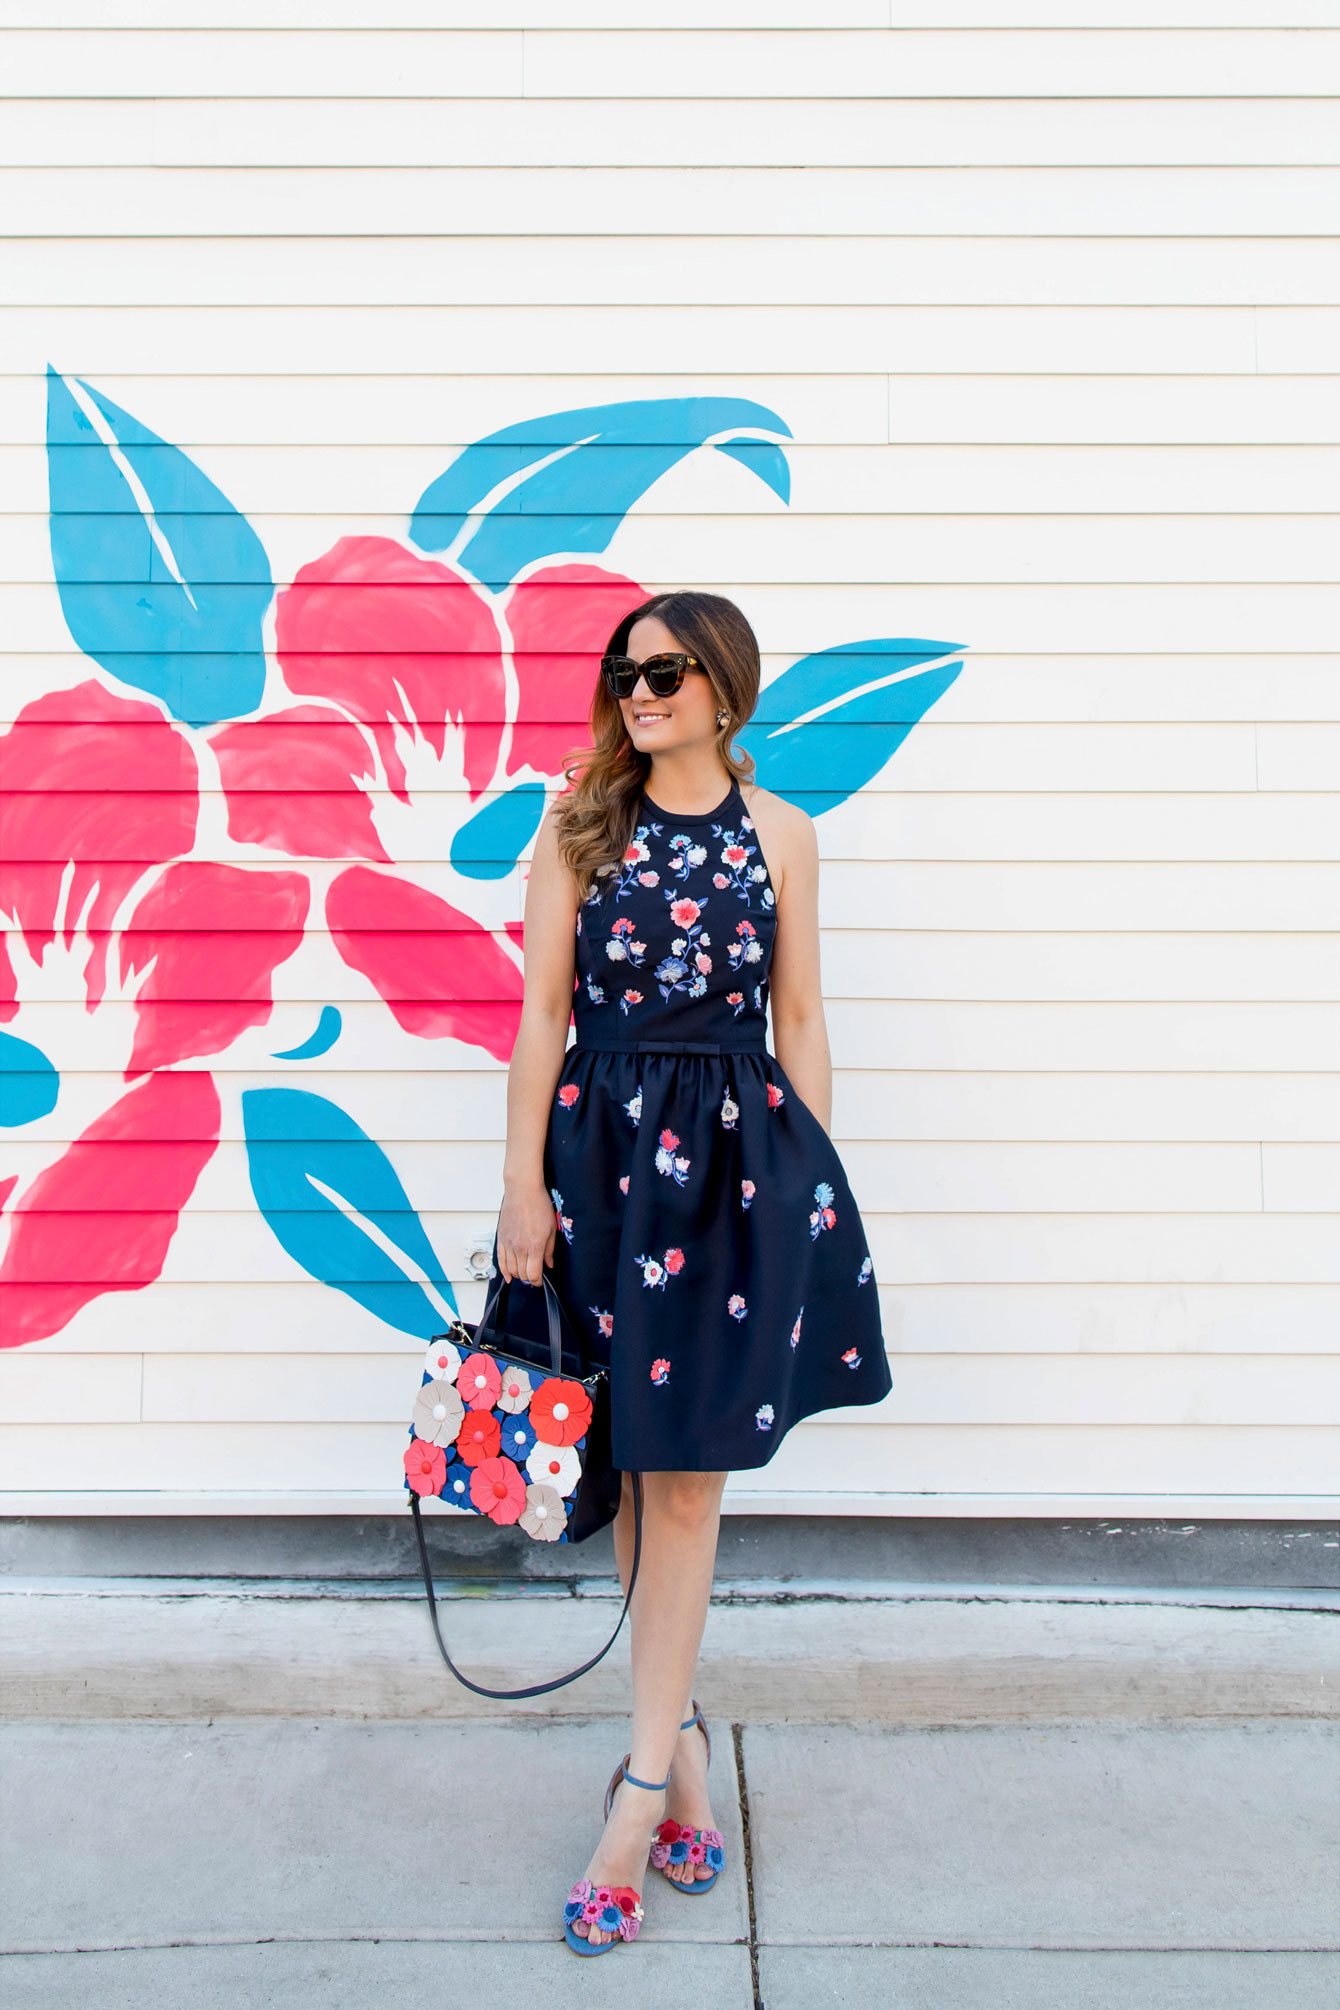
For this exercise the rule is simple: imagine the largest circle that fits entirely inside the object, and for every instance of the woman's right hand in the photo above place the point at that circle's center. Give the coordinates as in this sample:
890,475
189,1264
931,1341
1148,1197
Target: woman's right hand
527,1227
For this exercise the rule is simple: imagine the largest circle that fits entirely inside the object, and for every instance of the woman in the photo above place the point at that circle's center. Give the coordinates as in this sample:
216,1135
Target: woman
679,1179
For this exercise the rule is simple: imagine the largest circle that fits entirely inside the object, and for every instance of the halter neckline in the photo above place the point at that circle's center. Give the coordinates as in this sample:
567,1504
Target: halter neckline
677,817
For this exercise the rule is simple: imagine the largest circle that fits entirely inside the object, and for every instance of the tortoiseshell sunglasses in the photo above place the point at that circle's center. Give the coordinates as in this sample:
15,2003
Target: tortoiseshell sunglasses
664,674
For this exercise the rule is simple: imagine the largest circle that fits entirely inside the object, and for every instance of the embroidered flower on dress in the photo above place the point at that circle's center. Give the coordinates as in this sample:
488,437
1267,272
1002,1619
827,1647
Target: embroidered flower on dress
479,1381
684,912
568,1094
673,1168
564,1220
560,1411
736,999
795,1330
425,1466
438,1411
649,879
623,1183
730,1110
595,992
775,1096
629,999
674,1261
865,1272
720,881
556,1466
544,1515
498,1490
851,1358
763,1416
660,1372
747,1192
653,1274
823,1215
736,1306
634,1104
442,1361
604,1321
515,1392
479,1437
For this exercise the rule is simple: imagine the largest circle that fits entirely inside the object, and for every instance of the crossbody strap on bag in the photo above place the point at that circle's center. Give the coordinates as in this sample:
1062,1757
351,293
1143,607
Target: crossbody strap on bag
560,1681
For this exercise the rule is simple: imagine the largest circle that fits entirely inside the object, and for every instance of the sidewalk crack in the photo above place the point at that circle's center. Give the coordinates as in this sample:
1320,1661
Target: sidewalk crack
737,1739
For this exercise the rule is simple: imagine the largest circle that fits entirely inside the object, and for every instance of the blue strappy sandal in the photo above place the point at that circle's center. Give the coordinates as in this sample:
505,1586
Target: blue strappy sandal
674,1843
614,1908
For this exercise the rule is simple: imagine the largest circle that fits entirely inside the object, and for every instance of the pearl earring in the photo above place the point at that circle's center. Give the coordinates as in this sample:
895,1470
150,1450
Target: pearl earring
723,718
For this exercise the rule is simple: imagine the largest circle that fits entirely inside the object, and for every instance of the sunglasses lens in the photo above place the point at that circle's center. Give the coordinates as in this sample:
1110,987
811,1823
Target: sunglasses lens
620,674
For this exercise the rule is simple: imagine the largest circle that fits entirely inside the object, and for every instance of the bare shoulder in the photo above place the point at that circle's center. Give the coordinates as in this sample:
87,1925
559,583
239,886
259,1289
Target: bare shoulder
787,833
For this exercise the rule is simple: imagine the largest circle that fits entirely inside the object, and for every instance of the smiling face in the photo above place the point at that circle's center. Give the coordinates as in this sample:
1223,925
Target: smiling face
686,719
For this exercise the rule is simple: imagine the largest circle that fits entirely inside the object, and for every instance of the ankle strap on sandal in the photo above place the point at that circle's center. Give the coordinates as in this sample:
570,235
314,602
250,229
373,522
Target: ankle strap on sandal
696,1718
652,1786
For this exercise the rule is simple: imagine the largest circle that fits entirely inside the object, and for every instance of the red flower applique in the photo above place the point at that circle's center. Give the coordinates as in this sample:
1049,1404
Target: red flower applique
479,1381
425,1467
674,1261
479,1438
560,1411
684,913
498,1490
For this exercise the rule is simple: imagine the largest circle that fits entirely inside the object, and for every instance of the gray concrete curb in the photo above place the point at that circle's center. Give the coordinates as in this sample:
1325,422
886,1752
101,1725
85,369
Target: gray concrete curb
165,1654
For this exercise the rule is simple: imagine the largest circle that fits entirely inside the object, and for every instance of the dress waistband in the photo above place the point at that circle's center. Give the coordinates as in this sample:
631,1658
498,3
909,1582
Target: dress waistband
753,1042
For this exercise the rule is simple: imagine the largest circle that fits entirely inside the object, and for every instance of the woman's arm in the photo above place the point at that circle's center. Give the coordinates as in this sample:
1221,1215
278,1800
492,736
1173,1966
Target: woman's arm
799,1035
526,1224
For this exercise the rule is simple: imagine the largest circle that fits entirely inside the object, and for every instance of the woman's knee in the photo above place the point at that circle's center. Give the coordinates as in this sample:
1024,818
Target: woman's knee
691,1500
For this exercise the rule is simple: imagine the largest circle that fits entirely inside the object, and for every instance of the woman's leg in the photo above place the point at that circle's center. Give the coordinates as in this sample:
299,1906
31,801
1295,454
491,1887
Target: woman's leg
681,1514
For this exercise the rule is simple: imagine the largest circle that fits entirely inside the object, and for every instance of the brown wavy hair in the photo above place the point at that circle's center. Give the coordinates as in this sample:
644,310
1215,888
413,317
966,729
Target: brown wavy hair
594,819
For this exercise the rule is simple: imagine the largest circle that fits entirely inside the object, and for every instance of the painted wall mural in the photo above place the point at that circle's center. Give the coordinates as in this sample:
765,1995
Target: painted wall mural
226,726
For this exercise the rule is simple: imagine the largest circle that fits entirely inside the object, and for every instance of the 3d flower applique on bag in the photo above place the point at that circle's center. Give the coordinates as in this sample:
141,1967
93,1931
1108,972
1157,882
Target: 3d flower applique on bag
479,1438
516,1440
823,1215
667,1161
479,1381
515,1392
442,1361
544,1515
560,1411
556,1466
498,1490
425,1466
438,1413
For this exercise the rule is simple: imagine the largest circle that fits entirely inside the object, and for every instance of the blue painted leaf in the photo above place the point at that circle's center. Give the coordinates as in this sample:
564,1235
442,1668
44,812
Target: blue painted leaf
598,461
29,1084
328,1029
161,580
489,845
294,1139
827,725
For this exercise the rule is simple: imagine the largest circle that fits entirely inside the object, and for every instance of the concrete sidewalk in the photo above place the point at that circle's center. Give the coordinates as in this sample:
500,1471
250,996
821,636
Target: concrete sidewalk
330,1865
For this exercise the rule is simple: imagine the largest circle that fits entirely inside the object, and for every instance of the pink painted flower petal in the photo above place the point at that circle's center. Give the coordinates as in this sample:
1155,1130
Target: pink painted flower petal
561,618
100,1218
292,782
442,975
214,934
396,639
100,781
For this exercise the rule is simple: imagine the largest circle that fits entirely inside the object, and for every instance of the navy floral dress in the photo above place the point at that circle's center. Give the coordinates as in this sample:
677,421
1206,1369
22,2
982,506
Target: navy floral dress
709,1248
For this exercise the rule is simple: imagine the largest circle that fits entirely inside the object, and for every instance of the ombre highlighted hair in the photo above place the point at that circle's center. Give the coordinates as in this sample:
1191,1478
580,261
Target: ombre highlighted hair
594,819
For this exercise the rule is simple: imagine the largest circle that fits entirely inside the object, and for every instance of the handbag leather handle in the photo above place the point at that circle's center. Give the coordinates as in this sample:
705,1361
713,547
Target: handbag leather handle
535,1688
552,1312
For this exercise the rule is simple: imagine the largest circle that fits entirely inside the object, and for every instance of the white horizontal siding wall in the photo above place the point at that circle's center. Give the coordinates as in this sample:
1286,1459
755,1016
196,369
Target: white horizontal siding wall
1049,295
